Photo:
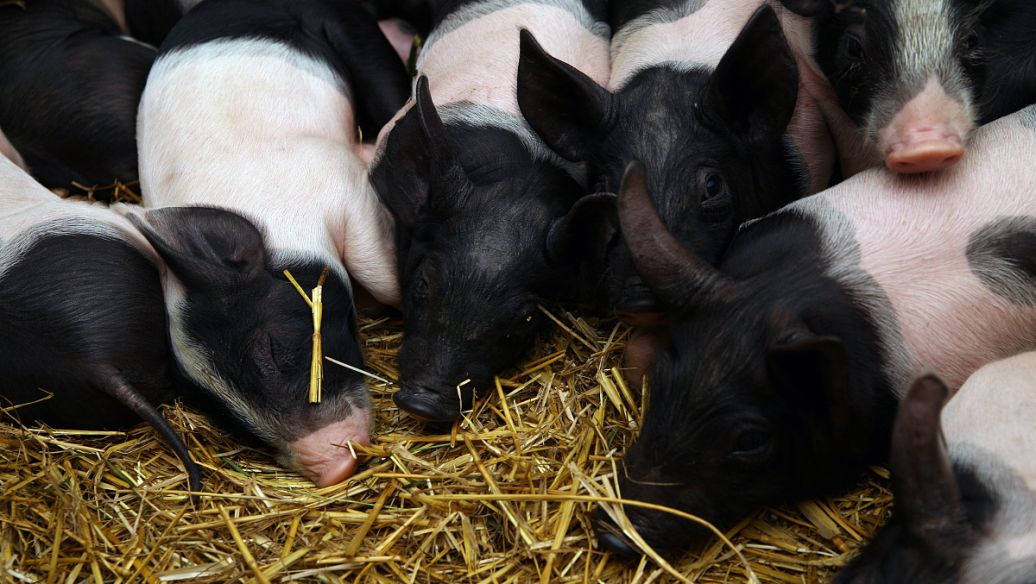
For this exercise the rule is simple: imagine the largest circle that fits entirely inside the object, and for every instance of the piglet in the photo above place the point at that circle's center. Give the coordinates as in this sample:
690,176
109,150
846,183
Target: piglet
706,97
490,222
787,361
81,314
916,76
964,476
250,165
70,83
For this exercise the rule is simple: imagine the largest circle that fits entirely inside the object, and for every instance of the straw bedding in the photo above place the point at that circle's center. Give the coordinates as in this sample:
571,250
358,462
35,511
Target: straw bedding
504,496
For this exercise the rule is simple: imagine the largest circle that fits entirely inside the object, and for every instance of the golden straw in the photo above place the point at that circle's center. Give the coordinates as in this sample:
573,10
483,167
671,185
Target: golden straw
316,305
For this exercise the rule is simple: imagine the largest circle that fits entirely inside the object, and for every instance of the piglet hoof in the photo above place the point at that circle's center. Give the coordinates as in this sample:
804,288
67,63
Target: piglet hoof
427,405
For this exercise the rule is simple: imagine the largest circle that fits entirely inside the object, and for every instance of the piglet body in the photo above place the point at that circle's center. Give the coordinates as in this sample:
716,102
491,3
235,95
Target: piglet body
965,483
250,161
81,314
70,83
489,220
786,364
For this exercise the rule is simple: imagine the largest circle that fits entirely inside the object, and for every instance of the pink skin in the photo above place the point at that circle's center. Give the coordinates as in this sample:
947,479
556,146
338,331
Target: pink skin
400,40
324,456
928,134
913,241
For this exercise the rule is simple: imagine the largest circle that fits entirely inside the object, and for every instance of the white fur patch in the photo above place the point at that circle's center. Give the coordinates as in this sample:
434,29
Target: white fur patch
478,10
693,36
475,60
258,127
28,212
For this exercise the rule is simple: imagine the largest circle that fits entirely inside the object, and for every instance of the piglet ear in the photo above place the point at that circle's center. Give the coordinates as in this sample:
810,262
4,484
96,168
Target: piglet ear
808,7
754,88
204,246
417,171
565,107
814,371
922,479
583,233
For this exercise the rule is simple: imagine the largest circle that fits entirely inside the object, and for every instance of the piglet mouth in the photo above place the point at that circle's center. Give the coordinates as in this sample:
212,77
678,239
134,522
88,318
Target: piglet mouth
434,405
326,456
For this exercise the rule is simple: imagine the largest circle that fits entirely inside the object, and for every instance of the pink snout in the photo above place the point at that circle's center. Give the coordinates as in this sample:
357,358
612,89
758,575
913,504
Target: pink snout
324,456
925,149
928,132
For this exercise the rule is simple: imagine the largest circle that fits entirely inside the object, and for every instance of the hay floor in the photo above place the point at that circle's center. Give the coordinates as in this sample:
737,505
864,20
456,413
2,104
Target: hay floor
502,497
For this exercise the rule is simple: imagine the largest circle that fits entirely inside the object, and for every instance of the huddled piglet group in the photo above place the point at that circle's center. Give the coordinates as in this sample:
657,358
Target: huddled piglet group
812,213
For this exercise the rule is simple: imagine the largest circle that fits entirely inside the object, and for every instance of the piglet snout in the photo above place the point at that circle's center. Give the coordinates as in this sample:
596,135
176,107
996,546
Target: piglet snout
427,405
324,455
928,133
925,150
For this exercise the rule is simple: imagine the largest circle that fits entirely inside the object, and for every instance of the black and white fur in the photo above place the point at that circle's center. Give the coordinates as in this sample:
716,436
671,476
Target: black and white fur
82,341
248,121
787,362
489,220
965,484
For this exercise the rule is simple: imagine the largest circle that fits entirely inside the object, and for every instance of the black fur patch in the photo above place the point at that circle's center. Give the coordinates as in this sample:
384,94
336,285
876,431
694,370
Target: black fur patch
72,305
1003,256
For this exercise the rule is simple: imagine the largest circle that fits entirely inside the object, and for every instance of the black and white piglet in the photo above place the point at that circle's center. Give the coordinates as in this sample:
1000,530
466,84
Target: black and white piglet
964,477
917,76
488,226
788,360
705,95
70,83
250,165
82,321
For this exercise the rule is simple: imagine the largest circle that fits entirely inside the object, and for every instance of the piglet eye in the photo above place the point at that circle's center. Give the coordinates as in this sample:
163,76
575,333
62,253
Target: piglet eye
852,48
711,185
752,442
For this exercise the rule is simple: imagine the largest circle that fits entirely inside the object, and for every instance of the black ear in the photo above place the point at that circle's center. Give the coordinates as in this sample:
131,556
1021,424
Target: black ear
754,88
205,246
564,106
923,481
417,169
814,372
583,233
675,274
808,7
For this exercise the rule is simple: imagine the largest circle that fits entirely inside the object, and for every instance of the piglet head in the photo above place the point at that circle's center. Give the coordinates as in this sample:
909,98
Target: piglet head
242,334
746,402
907,73
710,142
930,531
479,253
